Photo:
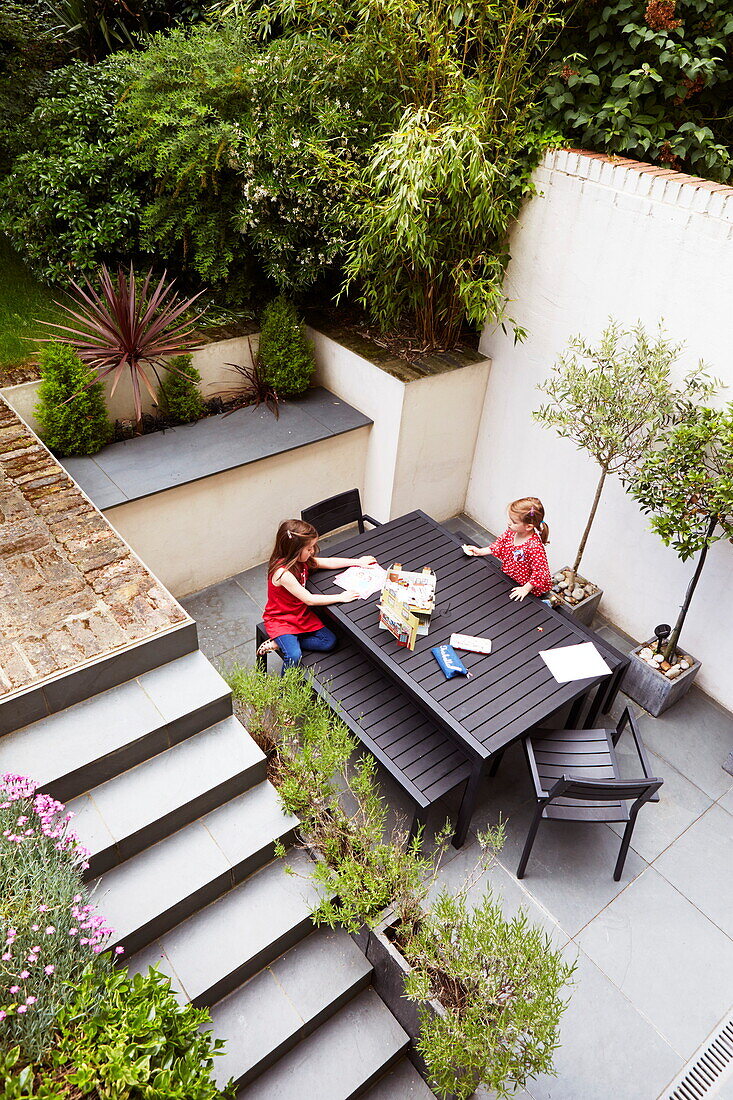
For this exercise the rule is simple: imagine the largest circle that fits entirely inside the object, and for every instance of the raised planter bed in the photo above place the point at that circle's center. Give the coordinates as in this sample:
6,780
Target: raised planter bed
653,689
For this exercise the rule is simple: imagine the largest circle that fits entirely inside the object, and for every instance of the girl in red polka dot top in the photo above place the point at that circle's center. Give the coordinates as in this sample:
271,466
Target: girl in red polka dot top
521,549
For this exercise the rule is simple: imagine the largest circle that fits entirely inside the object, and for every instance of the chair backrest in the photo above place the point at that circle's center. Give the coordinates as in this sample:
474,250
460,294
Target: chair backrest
606,790
335,512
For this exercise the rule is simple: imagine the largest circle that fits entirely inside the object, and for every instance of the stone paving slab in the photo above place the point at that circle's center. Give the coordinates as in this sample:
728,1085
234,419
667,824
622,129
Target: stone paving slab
152,463
70,589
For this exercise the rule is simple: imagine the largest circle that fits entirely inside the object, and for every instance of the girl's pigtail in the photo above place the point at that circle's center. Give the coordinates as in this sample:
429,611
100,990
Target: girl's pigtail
544,532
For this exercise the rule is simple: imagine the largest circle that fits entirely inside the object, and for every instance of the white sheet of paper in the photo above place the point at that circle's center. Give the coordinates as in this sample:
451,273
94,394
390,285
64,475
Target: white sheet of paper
574,662
365,580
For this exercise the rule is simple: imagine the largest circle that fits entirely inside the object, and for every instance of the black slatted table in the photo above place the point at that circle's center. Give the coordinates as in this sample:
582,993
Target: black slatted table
511,690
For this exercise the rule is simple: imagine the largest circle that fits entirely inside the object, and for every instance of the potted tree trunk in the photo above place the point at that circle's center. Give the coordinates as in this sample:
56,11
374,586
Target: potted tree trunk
612,400
687,485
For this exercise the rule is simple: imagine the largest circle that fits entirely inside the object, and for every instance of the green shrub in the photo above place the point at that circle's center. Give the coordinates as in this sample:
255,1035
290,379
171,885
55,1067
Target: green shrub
79,426
499,981
284,351
178,394
120,1037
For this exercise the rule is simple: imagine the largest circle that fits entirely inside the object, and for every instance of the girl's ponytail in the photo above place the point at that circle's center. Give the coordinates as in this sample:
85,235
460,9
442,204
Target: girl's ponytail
529,510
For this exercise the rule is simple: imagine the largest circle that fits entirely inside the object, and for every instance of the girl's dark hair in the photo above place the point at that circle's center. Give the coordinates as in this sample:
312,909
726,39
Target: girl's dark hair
292,536
529,510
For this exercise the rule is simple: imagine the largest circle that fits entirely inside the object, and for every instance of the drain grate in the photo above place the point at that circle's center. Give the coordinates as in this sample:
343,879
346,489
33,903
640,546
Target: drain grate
708,1069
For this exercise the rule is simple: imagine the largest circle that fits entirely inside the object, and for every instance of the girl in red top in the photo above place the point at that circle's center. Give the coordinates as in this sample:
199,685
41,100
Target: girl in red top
521,549
290,623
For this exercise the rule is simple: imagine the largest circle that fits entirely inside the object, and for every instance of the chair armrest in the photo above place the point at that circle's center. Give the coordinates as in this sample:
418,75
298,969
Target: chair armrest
374,522
627,718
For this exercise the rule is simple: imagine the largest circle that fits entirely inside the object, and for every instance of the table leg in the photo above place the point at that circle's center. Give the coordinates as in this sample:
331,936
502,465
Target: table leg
599,698
575,711
468,804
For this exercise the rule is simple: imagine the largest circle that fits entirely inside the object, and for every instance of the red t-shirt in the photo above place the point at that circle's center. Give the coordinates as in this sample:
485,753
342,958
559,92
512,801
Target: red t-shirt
285,613
525,563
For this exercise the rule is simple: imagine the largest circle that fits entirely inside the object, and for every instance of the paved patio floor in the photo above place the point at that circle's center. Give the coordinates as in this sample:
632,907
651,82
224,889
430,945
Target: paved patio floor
654,951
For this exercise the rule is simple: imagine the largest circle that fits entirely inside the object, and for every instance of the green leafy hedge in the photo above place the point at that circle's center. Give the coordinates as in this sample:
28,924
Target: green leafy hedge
72,414
284,351
178,393
651,79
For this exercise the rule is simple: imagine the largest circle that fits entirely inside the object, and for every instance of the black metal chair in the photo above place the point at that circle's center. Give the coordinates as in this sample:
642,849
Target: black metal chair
576,777
339,511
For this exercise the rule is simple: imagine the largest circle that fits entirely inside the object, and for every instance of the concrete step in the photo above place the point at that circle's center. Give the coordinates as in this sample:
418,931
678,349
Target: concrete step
223,945
127,814
402,1082
284,1003
339,1060
93,741
157,889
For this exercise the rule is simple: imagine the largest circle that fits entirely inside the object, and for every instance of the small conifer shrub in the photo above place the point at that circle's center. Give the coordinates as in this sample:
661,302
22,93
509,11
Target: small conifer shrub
178,394
71,413
285,353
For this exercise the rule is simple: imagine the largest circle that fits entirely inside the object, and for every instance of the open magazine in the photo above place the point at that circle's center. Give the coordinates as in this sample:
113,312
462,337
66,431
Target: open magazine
364,580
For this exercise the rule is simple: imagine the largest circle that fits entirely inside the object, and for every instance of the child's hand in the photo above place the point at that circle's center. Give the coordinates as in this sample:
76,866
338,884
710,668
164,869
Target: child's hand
349,597
472,551
520,593
368,559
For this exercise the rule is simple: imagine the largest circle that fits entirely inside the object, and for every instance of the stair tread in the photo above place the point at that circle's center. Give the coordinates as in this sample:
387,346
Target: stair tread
235,931
201,855
402,1082
113,811
62,743
270,1012
339,1059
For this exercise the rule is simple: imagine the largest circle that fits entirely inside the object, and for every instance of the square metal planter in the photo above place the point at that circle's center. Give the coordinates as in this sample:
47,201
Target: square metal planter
583,612
652,689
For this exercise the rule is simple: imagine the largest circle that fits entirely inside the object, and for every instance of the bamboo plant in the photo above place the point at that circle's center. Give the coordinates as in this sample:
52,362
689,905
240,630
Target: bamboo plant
613,399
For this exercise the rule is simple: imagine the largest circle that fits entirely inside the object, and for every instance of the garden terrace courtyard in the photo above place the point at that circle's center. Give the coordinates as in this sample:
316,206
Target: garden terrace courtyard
654,951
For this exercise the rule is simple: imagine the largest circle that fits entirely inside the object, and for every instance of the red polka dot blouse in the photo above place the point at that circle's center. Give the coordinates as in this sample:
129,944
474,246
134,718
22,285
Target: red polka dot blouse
524,564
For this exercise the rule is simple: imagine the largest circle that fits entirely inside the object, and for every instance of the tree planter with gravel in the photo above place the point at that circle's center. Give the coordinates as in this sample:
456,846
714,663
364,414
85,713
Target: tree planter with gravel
613,400
687,485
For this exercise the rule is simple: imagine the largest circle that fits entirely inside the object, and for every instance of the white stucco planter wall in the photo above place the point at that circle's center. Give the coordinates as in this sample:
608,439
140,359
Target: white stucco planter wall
200,533
210,361
422,443
603,239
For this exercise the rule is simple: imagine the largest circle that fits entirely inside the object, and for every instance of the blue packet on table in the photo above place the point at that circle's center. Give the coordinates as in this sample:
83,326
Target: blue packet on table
449,661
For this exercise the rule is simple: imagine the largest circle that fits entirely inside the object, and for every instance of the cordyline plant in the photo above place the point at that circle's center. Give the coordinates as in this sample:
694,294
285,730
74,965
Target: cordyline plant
125,327
614,399
687,482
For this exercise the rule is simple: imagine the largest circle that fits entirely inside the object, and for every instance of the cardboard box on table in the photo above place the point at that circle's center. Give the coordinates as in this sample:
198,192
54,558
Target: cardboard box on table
406,604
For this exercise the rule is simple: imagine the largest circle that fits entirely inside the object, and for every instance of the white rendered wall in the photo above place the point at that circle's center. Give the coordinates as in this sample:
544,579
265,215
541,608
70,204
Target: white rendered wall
637,243
198,534
422,443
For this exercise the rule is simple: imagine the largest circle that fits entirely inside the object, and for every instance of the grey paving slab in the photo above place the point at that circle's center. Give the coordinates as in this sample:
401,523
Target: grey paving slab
152,463
162,787
727,800
183,686
133,895
254,583
60,743
608,1050
700,865
329,1064
154,955
241,656
248,823
242,931
317,972
226,616
89,825
666,957
403,1082
680,803
254,1021
696,736
92,479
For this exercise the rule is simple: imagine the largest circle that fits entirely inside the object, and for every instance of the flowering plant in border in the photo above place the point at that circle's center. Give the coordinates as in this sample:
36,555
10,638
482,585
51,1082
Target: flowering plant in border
48,930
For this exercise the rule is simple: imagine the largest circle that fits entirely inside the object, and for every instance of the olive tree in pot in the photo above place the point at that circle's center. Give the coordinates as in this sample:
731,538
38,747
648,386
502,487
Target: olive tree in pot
686,483
612,400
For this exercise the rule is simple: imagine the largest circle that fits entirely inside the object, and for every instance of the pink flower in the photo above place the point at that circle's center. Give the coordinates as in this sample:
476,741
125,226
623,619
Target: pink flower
42,908
2,1014
77,897
50,930
119,950
73,931
49,969
35,927
24,974
31,1000
22,1008
15,989
7,956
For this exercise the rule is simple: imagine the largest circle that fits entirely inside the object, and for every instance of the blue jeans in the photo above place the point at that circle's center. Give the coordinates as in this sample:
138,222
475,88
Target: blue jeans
292,645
